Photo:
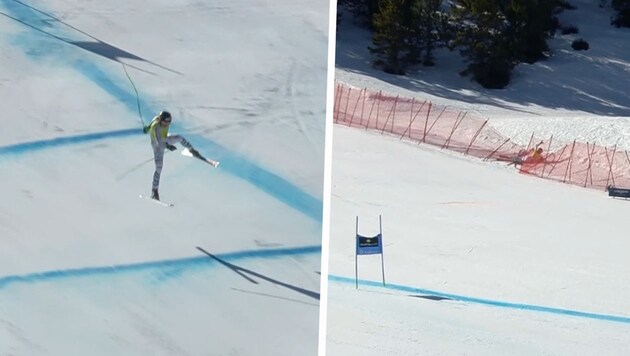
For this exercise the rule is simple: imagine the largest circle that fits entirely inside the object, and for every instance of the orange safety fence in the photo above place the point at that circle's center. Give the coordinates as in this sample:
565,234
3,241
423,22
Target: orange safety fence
577,163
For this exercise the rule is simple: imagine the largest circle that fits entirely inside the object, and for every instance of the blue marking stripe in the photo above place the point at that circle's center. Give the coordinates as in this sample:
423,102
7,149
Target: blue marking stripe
494,303
180,264
25,147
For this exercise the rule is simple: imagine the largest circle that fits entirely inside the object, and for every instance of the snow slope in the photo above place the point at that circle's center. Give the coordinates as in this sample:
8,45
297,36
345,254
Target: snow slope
86,267
480,260
529,266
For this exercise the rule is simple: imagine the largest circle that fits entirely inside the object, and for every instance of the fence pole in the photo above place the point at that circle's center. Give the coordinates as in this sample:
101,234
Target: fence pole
475,136
433,124
337,102
610,164
336,91
558,161
569,165
345,113
455,126
531,139
410,119
390,114
588,169
378,107
355,108
591,159
416,116
394,115
414,119
363,104
426,121
370,115
496,149
545,161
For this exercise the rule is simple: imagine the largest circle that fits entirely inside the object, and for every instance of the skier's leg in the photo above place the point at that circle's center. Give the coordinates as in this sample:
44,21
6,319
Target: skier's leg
159,161
180,139
173,139
157,173
516,161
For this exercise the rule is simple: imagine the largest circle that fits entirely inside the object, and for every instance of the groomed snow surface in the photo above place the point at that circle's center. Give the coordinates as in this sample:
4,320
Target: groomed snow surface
498,245
89,268
481,260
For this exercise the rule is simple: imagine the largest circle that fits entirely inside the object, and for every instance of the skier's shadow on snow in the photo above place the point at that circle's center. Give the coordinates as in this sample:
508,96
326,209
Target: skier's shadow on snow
243,272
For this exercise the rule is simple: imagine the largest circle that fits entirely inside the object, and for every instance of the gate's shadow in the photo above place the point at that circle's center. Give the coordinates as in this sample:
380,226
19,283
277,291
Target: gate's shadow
243,272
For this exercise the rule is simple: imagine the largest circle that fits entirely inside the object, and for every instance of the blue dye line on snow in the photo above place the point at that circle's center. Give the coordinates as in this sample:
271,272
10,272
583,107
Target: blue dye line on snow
231,163
263,179
239,167
25,147
180,264
105,82
488,302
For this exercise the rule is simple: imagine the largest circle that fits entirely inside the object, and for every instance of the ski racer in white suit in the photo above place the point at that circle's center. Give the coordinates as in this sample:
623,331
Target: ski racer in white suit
160,141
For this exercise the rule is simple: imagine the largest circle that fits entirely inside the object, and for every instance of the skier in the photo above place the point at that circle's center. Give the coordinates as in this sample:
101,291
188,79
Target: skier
533,156
536,157
160,141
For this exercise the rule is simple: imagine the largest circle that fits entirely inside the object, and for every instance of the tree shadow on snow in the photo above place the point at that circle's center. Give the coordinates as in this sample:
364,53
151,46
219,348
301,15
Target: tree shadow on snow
592,81
97,46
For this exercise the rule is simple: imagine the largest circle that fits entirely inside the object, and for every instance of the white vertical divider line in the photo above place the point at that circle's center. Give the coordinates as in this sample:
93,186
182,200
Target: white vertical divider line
330,98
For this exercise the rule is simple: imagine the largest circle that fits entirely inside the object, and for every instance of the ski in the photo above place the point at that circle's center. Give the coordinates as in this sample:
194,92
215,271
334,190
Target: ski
168,205
211,162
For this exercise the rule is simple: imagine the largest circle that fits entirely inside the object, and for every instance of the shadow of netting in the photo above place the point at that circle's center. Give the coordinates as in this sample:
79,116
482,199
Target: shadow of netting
421,121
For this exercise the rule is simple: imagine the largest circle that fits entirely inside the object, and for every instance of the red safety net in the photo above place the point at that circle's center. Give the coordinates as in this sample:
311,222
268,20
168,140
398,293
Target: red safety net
578,163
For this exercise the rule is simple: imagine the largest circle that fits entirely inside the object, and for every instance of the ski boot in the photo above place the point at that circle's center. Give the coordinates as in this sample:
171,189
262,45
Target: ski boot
155,195
195,153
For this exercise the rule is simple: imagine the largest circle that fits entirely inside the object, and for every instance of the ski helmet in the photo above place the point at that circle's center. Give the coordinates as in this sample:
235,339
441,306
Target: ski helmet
165,116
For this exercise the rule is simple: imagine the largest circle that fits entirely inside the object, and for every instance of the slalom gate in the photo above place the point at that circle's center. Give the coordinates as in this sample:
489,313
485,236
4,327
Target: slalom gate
368,245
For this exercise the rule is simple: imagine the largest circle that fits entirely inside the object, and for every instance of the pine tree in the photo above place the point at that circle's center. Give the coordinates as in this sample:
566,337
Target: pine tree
482,36
395,35
622,19
364,10
433,29
530,24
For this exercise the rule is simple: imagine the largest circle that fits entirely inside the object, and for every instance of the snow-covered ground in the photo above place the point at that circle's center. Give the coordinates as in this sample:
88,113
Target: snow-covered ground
88,268
480,260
